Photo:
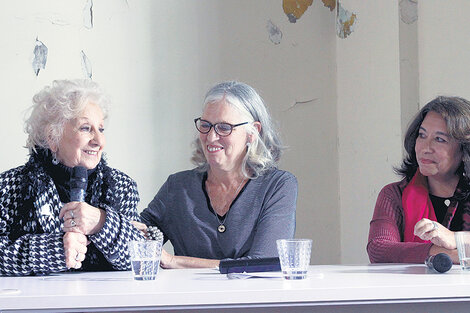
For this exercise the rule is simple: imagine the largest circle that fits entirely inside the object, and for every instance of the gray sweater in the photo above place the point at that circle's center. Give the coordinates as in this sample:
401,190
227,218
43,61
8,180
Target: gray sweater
263,212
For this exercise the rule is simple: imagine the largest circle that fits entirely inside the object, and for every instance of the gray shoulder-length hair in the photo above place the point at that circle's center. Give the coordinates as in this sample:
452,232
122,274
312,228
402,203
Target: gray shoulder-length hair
264,152
54,105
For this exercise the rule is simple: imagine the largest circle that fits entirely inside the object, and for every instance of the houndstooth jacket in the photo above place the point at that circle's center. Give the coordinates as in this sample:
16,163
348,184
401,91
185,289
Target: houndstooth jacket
31,239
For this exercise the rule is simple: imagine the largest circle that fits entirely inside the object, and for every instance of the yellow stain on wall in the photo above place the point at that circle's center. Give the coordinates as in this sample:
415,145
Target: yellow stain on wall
294,9
348,25
331,4
345,21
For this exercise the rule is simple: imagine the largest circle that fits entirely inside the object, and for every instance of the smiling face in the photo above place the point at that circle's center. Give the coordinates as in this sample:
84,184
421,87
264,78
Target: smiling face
438,154
224,153
82,141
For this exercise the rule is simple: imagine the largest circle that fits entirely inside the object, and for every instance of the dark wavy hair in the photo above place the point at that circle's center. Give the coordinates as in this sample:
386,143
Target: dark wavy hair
456,113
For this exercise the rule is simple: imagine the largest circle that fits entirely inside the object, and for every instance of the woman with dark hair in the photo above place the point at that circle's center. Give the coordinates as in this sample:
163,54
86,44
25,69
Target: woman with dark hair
417,217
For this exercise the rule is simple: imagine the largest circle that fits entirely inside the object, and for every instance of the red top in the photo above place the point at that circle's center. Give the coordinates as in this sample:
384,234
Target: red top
386,233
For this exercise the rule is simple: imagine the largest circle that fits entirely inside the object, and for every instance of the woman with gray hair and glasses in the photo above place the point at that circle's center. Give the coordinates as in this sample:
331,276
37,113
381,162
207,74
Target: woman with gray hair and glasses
236,203
44,227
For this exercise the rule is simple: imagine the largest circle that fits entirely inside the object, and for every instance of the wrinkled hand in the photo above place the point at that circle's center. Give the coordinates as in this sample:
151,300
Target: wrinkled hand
141,226
166,259
436,233
82,218
75,249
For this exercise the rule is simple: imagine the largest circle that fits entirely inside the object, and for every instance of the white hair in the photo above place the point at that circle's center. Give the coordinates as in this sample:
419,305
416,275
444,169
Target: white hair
54,105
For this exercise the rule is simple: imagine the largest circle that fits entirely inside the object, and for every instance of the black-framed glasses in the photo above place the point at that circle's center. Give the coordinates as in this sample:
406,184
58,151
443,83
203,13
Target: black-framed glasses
222,129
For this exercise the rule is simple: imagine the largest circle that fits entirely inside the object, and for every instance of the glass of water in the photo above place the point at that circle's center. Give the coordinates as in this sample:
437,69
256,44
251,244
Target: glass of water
294,256
462,240
145,258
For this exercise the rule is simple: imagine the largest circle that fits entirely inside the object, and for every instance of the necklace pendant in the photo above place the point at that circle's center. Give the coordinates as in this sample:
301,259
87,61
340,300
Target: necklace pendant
221,228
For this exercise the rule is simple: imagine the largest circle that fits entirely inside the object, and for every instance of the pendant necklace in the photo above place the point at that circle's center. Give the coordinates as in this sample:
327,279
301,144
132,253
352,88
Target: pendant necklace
222,228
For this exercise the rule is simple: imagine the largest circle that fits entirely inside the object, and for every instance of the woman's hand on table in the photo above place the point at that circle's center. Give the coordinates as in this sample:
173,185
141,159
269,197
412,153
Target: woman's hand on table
166,260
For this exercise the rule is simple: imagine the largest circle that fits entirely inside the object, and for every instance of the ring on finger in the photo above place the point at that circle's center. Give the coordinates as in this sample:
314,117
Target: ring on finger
73,223
435,225
71,214
77,257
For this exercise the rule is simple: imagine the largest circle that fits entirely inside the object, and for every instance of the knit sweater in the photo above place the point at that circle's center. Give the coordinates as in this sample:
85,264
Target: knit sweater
386,231
263,212
31,239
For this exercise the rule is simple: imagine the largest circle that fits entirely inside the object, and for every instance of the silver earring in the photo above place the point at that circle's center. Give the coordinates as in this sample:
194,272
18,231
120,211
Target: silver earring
54,159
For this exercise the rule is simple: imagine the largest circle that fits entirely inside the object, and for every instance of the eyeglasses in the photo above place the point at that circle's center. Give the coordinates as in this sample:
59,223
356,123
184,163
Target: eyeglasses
222,129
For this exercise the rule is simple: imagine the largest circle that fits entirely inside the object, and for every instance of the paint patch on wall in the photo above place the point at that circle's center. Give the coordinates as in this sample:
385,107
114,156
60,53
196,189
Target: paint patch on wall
275,34
40,56
86,65
345,22
409,11
331,4
88,14
294,9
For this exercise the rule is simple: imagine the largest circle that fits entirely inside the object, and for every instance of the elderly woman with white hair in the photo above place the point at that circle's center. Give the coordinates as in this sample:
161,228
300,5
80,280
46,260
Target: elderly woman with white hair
236,203
41,230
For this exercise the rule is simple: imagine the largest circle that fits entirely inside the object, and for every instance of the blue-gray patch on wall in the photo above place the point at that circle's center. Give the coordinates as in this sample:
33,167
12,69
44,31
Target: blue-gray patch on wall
86,65
88,15
40,56
409,11
275,34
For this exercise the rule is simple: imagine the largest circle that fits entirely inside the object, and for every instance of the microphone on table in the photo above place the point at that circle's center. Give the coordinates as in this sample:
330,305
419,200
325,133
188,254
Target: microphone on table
78,183
440,262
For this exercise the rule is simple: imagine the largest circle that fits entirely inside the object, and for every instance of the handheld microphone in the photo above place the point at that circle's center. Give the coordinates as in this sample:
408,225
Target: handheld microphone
440,262
78,183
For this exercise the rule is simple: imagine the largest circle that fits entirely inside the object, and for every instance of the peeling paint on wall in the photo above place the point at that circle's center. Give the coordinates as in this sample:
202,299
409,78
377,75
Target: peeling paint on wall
331,4
409,11
294,9
275,34
88,14
345,22
86,65
40,56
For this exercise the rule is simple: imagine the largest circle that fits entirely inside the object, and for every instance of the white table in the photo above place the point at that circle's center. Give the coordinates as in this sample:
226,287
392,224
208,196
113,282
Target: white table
329,288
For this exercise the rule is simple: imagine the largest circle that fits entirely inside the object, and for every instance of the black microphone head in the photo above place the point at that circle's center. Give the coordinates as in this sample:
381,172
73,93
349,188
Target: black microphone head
78,183
442,262
79,171
79,178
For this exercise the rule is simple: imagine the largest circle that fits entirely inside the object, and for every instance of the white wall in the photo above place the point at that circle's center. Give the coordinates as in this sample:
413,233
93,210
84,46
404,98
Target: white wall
158,58
300,68
444,45
369,118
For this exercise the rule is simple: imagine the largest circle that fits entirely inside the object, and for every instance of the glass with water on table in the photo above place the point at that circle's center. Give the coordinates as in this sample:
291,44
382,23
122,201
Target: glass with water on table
145,258
462,240
294,256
